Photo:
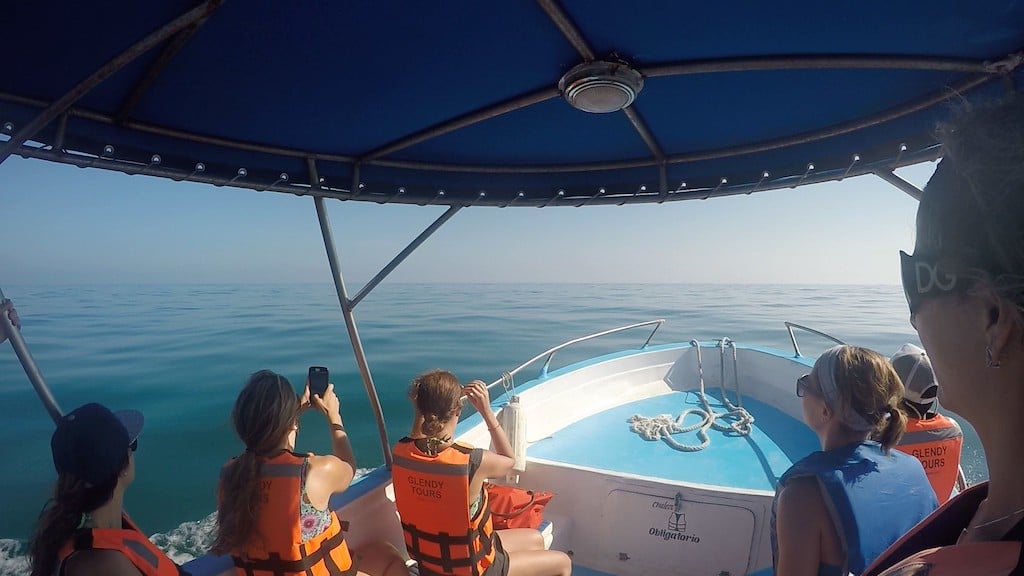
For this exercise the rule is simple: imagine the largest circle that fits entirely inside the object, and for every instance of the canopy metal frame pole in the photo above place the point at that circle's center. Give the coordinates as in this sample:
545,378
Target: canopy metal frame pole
348,305
193,16
346,310
405,253
29,365
891,177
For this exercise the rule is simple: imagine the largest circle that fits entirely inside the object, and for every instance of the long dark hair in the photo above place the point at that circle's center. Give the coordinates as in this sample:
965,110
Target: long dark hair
62,515
264,413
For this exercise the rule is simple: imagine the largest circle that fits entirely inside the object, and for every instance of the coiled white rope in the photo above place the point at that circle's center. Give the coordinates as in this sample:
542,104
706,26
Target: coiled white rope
662,427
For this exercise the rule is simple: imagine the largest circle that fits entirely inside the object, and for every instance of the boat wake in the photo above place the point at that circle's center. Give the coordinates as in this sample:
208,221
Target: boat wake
188,541
13,558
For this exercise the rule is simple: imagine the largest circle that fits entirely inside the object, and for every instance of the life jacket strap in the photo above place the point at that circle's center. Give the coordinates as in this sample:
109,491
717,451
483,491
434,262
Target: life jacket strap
84,539
280,567
445,543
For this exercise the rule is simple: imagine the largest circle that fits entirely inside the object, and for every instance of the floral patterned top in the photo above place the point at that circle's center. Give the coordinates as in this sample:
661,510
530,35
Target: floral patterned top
312,520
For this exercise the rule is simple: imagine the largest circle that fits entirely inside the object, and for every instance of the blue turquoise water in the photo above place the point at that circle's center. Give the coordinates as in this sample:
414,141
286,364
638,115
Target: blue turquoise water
180,354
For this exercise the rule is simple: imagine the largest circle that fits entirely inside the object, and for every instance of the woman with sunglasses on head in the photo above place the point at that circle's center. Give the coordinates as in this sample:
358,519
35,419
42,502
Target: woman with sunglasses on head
965,288
439,490
836,510
273,513
84,531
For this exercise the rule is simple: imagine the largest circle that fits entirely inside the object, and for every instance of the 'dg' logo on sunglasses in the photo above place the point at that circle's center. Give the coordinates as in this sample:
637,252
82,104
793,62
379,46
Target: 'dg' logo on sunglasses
929,277
922,277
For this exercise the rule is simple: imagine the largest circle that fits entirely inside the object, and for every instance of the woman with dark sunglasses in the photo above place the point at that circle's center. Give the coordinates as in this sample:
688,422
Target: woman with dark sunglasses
84,530
965,288
836,510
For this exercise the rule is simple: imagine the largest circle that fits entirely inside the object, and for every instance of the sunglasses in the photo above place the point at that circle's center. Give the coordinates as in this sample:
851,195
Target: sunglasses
924,278
134,445
803,386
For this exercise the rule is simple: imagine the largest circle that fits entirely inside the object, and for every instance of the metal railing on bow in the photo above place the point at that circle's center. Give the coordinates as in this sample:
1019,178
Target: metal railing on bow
792,336
550,353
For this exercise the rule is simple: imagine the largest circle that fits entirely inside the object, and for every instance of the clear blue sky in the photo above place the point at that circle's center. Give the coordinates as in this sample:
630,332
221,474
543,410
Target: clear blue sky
66,225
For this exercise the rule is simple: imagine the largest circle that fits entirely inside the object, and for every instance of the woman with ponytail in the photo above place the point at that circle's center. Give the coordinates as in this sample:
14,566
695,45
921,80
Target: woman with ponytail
83,530
836,510
439,490
273,513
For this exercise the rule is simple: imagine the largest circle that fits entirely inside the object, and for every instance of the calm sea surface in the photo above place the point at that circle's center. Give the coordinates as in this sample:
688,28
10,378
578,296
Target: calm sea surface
181,353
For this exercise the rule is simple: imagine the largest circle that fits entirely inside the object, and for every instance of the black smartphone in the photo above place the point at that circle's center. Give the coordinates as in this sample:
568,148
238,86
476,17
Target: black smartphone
318,380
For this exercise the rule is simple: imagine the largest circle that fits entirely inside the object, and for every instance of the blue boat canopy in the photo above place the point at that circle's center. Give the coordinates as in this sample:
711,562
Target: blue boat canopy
468,103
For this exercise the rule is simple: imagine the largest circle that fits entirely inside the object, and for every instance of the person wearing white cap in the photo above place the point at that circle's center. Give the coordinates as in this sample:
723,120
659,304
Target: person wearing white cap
83,530
934,439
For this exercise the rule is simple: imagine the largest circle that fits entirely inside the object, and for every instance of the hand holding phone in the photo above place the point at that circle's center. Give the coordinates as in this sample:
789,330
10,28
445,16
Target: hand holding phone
318,377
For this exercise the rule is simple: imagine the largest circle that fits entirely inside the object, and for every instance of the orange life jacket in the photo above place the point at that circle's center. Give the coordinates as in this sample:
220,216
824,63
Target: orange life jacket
930,548
432,496
936,442
127,540
276,548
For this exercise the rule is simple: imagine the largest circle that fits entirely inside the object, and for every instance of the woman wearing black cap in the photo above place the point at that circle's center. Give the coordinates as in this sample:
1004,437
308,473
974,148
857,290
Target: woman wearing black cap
84,531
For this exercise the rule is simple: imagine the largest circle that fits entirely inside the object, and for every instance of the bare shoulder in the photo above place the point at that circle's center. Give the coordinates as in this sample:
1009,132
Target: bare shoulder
334,473
327,462
100,563
801,497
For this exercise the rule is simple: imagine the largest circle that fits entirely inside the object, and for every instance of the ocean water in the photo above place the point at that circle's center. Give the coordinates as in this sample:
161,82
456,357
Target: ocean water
181,353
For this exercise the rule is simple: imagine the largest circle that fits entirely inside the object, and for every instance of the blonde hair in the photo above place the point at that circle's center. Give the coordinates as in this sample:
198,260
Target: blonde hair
867,384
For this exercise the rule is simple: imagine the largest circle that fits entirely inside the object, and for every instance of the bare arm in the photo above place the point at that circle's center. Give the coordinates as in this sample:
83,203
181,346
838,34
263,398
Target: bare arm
492,464
476,393
798,530
334,472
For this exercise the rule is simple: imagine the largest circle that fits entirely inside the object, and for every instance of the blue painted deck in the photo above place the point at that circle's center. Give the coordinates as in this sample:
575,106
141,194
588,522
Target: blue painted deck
754,462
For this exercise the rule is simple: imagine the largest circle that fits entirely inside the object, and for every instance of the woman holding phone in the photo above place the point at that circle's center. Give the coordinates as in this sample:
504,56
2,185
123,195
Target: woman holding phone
273,511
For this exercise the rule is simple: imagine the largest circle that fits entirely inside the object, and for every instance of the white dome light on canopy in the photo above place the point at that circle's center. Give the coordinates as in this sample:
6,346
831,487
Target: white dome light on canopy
601,87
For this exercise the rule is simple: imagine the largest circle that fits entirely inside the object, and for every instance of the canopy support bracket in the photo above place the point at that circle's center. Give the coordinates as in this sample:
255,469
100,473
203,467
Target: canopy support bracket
891,177
405,253
174,45
29,365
